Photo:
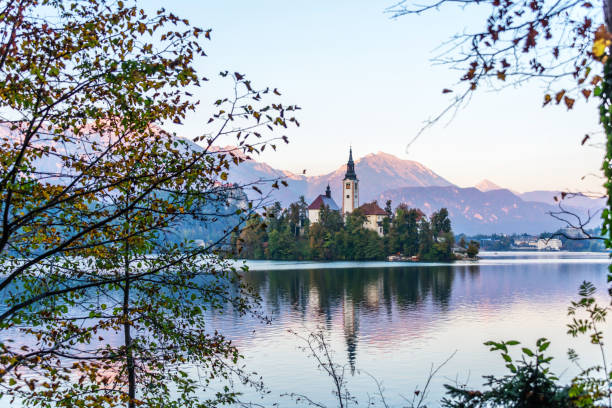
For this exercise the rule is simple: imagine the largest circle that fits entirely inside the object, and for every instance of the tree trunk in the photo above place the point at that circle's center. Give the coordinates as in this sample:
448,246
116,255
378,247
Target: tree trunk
128,338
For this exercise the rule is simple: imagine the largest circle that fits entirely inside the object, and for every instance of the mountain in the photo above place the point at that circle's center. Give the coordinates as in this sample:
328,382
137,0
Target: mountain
488,208
252,172
481,212
578,200
485,209
487,185
377,172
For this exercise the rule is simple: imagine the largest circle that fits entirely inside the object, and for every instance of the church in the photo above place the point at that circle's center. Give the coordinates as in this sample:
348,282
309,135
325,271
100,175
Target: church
350,201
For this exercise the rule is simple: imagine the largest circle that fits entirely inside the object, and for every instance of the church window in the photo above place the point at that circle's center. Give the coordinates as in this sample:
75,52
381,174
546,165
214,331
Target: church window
348,185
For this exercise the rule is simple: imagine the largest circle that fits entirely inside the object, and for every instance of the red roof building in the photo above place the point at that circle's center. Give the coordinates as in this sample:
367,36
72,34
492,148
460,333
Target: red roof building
372,209
315,207
374,217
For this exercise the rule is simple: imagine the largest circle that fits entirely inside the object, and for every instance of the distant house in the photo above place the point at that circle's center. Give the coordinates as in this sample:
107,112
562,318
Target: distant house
551,244
374,217
526,241
459,250
314,209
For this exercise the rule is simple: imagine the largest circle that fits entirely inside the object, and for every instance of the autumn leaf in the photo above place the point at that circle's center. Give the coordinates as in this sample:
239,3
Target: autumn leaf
586,93
569,102
556,52
599,47
601,42
559,96
501,75
446,90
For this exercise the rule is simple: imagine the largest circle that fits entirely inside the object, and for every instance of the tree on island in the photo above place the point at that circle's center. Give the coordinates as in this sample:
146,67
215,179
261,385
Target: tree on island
332,238
472,249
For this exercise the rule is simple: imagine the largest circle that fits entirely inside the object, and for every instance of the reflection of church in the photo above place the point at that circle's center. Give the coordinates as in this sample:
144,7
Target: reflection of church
350,323
350,201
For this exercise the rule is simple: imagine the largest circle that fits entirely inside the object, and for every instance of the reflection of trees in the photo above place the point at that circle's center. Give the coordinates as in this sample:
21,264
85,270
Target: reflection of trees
353,292
407,287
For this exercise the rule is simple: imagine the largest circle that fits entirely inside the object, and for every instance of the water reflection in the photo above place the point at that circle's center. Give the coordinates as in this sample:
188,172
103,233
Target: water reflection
388,306
355,293
395,321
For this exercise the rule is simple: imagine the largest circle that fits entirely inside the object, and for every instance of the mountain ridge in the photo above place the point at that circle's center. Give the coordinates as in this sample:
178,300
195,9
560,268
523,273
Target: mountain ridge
383,176
376,172
473,211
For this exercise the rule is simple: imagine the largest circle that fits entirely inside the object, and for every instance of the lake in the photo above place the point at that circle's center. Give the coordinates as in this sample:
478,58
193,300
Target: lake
394,321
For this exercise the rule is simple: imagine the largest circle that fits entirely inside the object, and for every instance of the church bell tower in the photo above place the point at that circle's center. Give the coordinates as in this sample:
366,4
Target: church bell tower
350,192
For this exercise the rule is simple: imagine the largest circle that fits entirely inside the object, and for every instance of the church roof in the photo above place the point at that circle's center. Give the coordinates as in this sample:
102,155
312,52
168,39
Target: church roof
372,209
323,200
350,167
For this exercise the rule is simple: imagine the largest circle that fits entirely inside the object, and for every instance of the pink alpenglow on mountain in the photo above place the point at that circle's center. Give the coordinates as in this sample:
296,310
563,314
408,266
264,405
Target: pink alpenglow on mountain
487,185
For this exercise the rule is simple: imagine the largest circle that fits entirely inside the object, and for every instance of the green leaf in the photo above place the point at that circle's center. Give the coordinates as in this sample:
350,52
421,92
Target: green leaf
527,351
544,346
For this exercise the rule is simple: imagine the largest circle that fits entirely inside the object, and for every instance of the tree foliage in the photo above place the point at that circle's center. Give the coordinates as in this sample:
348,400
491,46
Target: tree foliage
104,309
272,236
530,384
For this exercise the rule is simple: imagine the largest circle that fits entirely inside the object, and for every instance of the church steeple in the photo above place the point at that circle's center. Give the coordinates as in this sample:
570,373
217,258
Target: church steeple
328,191
350,192
350,167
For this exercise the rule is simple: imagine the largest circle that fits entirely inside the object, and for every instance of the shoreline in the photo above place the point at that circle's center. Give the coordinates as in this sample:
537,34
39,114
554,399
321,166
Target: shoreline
486,259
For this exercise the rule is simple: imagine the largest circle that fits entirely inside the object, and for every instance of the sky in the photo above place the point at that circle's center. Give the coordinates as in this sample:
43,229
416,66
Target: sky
365,79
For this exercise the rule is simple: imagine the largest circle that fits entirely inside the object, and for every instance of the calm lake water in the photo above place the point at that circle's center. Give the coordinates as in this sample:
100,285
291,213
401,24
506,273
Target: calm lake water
394,321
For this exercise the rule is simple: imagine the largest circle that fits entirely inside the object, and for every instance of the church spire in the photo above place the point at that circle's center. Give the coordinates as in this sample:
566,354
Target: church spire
350,167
